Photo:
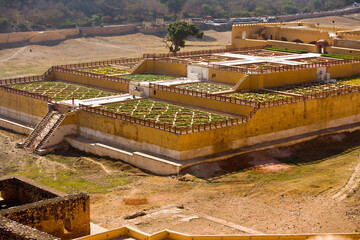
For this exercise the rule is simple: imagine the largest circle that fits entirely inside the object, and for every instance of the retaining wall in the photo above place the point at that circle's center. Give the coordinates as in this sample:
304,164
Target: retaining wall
22,108
91,81
64,217
151,66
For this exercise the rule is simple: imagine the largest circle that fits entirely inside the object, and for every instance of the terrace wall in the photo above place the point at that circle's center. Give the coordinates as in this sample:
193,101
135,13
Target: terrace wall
22,108
344,70
224,76
151,66
274,123
91,81
240,43
276,79
202,102
127,134
345,43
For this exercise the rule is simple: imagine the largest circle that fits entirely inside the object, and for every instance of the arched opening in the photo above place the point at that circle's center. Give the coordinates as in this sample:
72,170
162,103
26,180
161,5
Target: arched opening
283,39
243,35
298,41
313,42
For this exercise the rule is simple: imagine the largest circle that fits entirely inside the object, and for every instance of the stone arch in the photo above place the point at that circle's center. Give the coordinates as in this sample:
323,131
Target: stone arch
298,41
243,36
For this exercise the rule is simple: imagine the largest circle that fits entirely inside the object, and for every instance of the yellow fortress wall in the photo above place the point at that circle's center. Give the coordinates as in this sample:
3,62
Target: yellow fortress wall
152,66
201,102
22,108
91,81
277,122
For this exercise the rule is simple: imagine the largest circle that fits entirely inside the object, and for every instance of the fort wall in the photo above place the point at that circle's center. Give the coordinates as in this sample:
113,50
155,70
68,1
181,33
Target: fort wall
201,102
64,217
22,108
13,230
151,66
91,81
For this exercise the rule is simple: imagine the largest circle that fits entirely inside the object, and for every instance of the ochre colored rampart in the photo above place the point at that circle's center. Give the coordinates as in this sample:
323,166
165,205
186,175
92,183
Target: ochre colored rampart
201,102
128,130
23,104
218,75
91,81
151,66
270,123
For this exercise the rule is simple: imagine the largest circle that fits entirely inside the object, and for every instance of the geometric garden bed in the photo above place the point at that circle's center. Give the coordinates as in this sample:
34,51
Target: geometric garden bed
161,112
60,91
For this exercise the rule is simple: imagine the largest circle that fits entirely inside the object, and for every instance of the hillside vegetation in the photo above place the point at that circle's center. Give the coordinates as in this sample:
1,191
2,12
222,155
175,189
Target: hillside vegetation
26,15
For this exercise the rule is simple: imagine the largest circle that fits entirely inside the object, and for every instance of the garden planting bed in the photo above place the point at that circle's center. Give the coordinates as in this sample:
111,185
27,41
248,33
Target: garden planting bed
60,91
350,81
109,71
311,87
209,58
260,66
206,87
257,96
314,60
263,53
161,112
147,77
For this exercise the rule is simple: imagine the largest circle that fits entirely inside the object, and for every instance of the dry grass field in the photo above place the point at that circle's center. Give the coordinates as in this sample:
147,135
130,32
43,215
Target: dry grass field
310,187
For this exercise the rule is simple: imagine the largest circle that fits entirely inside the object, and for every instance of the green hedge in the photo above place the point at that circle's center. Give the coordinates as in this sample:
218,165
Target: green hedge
339,56
287,50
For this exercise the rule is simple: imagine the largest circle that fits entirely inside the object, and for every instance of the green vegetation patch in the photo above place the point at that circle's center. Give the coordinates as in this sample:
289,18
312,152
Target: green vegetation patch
287,50
206,87
350,81
339,56
258,96
165,113
310,88
108,70
147,77
60,91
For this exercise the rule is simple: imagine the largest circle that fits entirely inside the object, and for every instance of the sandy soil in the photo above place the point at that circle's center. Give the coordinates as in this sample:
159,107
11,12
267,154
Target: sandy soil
21,62
351,21
283,190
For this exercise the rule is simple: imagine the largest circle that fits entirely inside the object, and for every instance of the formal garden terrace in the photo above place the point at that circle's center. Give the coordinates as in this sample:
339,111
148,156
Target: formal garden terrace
61,91
111,67
167,116
268,97
207,87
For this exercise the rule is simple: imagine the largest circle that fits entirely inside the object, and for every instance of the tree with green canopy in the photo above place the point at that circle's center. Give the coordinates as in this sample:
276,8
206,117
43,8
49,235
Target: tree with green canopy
174,6
178,32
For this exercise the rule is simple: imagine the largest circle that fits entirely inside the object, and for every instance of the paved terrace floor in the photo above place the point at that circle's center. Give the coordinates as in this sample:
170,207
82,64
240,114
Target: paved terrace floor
246,59
94,102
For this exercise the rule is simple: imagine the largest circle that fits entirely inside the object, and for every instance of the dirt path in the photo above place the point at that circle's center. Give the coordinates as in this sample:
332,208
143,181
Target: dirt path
98,163
350,185
14,55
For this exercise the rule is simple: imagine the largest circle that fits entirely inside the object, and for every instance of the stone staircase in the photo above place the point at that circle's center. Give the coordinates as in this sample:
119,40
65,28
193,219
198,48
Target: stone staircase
137,65
241,81
43,131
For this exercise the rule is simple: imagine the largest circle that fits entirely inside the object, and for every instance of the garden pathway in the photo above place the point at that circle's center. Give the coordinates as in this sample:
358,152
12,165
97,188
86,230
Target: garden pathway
247,59
101,101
